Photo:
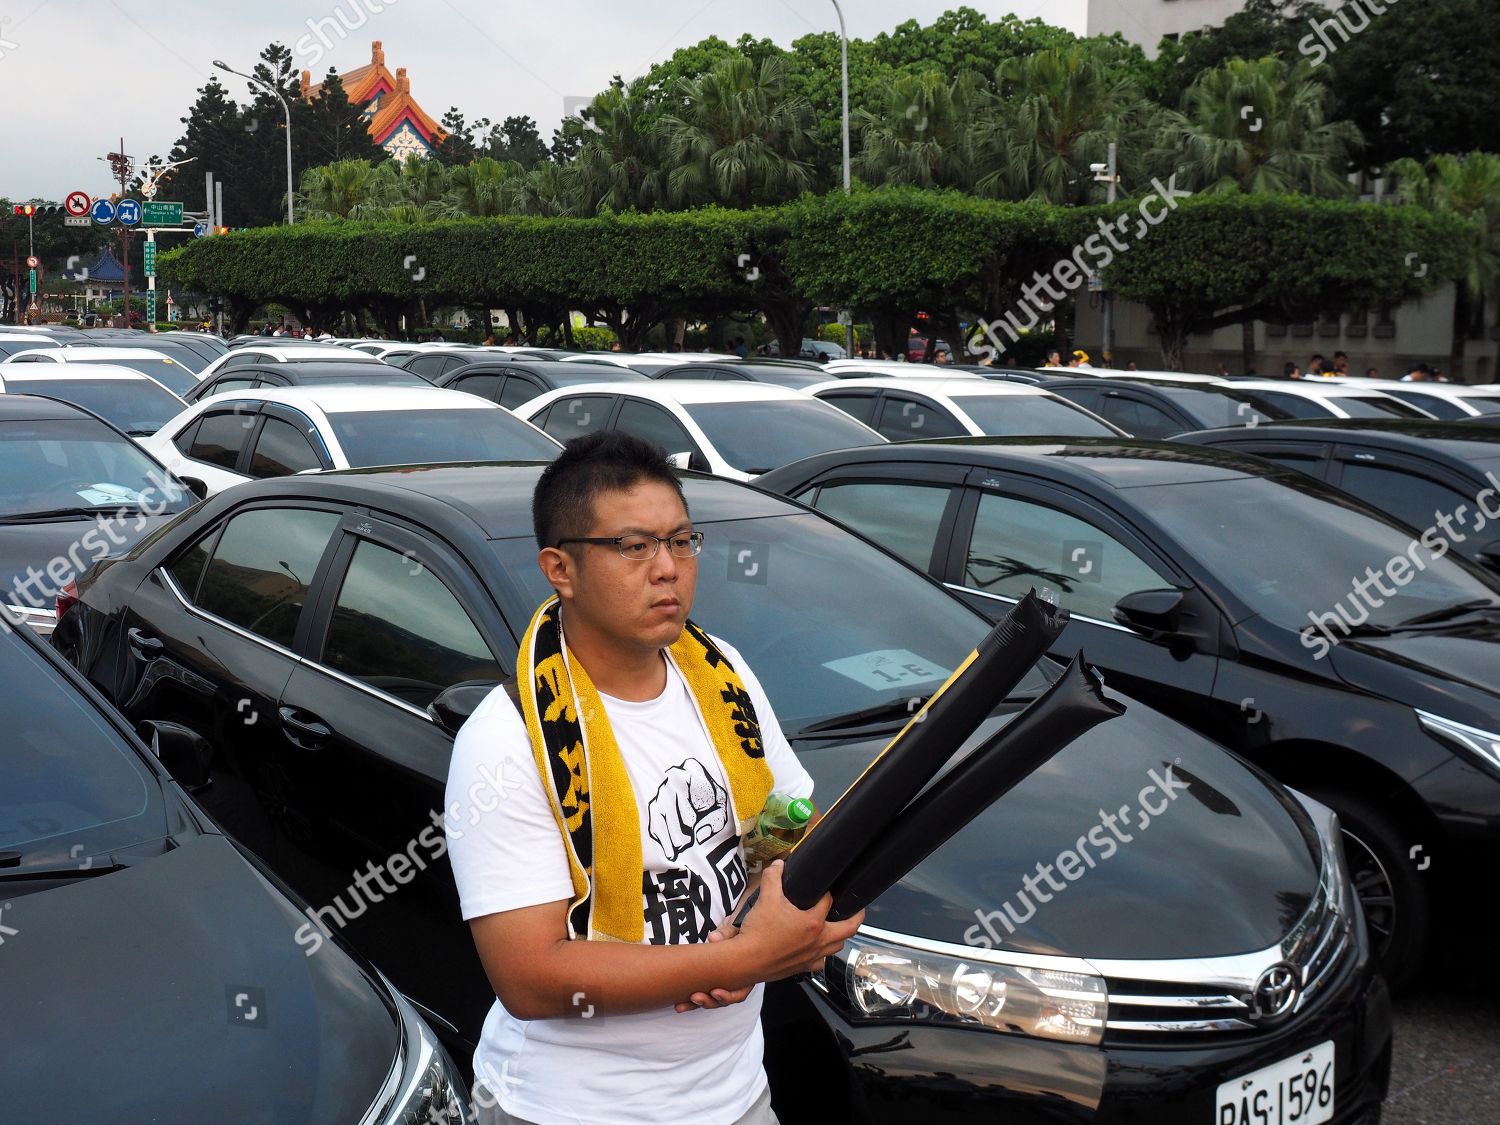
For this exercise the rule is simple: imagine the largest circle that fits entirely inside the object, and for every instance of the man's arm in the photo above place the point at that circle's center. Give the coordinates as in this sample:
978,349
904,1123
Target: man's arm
536,971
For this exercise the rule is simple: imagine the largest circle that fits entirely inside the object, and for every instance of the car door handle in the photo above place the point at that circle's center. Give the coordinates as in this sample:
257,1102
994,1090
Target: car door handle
307,731
145,646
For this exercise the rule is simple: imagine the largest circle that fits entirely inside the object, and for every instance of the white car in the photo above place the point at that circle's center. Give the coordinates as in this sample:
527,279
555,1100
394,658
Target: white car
733,429
1327,398
1442,400
133,403
940,408
867,368
274,432
251,354
158,365
12,343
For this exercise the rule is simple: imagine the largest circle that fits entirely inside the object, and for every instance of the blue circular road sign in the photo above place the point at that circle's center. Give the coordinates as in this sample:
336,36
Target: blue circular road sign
103,212
128,212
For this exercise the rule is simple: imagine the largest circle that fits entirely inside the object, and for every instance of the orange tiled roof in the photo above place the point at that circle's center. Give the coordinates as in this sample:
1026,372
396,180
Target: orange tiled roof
373,81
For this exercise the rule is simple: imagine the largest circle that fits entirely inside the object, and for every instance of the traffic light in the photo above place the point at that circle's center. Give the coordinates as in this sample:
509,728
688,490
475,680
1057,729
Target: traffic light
27,209
222,230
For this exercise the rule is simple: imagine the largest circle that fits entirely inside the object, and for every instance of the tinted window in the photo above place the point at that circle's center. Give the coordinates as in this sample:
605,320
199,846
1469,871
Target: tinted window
903,518
1295,405
422,437
244,359
137,406
1018,545
177,379
1213,409
1137,418
859,407
573,417
519,389
905,419
232,383
71,463
1409,497
221,436
184,440
282,450
757,436
1437,407
396,627
484,386
651,422
261,569
1485,404
1029,416
1382,407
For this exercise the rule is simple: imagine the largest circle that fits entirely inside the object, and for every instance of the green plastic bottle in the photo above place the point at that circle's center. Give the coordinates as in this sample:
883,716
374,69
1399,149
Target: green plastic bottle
779,826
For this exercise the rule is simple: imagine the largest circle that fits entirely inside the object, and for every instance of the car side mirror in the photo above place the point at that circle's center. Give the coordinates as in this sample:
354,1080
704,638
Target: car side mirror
1153,612
452,708
680,460
196,486
184,752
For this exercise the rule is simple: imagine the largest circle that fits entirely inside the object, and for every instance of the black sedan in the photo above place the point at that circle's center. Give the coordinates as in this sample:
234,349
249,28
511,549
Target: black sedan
781,372
312,372
134,935
511,382
332,632
1235,596
73,490
1159,408
1420,472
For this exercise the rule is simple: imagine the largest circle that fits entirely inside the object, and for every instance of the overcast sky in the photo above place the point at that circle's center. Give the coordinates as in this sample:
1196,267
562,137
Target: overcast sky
76,74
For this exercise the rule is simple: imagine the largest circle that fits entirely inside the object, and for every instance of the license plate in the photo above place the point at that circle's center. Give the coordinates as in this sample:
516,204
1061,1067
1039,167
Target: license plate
1295,1091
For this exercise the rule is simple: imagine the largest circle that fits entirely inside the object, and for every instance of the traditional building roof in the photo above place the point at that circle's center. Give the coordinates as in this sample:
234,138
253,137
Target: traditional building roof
397,123
106,269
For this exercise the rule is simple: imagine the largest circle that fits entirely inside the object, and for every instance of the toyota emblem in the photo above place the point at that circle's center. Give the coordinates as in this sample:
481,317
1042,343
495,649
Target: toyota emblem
1275,992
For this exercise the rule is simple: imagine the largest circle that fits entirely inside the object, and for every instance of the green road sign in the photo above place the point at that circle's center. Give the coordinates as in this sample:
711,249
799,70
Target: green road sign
33,281
150,260
151,305
161,214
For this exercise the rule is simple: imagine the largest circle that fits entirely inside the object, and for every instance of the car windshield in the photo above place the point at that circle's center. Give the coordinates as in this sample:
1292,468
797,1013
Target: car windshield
137,406
170,374
758,436
1293,551
74,789
1383,406
1485,404
421,437
77,463
1218,408
1030,416
794,594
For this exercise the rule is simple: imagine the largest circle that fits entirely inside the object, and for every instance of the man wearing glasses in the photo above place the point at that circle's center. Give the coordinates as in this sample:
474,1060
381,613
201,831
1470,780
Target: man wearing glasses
599,892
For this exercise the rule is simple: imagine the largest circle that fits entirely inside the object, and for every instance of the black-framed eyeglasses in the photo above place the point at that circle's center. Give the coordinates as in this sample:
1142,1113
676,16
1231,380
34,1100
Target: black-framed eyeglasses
641,546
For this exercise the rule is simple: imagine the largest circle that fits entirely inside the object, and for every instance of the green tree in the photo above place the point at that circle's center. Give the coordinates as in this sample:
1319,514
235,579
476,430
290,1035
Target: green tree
516,140
479,189
337,129
346,189
1260,126
1263,28
1467,188
215,140
917,138
620,160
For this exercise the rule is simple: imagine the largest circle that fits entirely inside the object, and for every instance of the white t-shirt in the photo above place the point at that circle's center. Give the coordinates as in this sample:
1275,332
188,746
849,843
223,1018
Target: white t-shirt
702,1066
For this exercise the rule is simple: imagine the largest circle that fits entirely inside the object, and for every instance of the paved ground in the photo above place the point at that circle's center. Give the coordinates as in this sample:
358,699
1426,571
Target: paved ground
1446,1069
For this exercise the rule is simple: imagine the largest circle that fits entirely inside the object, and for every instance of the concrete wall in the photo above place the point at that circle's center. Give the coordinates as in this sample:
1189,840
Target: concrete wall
1146,21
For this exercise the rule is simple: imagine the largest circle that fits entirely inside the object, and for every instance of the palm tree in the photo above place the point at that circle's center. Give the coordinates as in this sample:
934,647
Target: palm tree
548,190
736,137
1260,126
620,164
1051,114
1467,187
478,189
345,189
917,138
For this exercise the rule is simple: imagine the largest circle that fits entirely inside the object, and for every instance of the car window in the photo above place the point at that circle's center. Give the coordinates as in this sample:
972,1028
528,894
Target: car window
220,437
1018,545
519,389
1408,496
135,406
425,437
398,628
244,359
1435,405
282,450
76,462
429,365
858,406
757,436
903,518
1139,419
903,418
483,385
262,566
1382,406
651,422
1030,416
569,418
237,383
1295,405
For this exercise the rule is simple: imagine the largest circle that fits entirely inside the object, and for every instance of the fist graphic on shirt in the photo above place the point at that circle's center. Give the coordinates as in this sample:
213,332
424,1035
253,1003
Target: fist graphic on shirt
689,806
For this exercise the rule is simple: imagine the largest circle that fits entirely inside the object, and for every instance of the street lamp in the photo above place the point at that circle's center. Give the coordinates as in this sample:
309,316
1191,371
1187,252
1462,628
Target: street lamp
290,219
1106,174
844,53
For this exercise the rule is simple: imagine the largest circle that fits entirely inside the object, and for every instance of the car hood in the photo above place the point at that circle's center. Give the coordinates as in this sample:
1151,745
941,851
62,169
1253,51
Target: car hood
79,543
179,992
1449,670
1227,867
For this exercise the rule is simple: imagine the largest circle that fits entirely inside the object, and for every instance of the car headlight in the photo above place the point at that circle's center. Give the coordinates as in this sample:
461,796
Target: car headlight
880,977
424,1088
1480,743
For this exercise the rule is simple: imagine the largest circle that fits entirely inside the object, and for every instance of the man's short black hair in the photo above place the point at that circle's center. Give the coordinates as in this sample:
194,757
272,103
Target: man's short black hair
562,507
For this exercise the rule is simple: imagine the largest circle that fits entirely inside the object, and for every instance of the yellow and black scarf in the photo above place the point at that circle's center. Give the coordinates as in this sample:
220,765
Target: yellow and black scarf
585,777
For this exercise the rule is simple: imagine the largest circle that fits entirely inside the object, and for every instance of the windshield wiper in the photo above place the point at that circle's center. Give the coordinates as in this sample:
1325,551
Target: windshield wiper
869,716
8,873
73,513
1447,613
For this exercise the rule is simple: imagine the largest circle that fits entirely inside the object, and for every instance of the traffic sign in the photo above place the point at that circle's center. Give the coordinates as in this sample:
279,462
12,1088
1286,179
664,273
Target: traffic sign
103,212
150,259
128,212
32,262
77,203
161,214
202,228
151,306
76,221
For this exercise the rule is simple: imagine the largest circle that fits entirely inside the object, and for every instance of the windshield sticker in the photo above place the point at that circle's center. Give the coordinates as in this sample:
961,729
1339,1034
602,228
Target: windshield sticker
103,493
888,668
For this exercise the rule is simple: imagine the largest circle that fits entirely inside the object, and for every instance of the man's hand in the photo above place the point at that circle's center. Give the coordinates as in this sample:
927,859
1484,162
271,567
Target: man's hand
719,997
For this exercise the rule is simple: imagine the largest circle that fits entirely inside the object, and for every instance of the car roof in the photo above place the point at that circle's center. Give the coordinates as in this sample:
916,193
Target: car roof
949,388
304,353
40,372
92,353
687,391
496,496
1213,386
1425,386
552,368
1307,388
311,372
345,398
35,408
1419,435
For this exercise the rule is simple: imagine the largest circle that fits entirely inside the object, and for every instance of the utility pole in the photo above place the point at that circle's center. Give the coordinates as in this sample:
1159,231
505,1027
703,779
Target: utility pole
844,59
1107,174
121,165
